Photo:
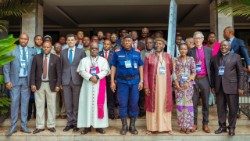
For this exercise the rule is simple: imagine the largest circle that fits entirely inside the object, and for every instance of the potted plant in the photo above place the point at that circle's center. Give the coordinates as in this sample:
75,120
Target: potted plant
6,46
235,7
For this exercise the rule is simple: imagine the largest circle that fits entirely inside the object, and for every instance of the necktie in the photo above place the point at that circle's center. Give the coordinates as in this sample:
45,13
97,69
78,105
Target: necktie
45,69
70,56
24,54
24,59
106,54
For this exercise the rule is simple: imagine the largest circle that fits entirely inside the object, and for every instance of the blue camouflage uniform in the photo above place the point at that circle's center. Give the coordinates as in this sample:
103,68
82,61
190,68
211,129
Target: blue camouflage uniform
127,65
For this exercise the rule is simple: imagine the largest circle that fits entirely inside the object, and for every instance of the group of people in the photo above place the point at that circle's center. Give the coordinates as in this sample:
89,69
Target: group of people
95,75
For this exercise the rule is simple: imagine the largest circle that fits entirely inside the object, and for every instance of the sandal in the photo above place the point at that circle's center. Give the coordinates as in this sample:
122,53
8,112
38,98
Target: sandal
182,130
192,130
187,131
170,132
148,132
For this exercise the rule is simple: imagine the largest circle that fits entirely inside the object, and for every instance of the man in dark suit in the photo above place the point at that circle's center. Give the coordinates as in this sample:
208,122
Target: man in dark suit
45,80
137,45
227,83
71,81
111,97
237,45
202,56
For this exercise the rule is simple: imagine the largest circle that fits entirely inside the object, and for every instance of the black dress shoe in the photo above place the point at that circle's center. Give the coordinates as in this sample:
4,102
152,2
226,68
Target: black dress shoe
25,130
11,131
85,130
142,114
231,132
75,129
100,130
67,128
220,130
53,130
37,131
111,116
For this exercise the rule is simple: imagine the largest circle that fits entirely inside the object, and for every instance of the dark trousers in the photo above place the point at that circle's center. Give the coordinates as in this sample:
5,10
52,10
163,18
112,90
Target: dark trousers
201,89
232,102
128,96
142,111
71,94
32,106
111,99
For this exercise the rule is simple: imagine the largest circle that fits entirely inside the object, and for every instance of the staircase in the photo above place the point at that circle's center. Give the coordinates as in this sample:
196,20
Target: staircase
112,133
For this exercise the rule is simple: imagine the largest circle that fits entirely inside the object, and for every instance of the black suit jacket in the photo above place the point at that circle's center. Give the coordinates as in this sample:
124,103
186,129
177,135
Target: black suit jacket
232,80
69,70
208,56
238,46
54,71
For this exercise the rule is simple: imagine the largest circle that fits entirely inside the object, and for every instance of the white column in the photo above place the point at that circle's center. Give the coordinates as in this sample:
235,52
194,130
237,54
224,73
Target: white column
32,23
213,17
218,21
172,27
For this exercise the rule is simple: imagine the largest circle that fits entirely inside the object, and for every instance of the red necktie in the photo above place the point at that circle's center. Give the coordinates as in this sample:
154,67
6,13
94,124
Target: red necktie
106,54
45,67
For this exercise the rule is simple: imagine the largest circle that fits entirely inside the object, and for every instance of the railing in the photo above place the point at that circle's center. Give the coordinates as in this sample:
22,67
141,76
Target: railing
244,101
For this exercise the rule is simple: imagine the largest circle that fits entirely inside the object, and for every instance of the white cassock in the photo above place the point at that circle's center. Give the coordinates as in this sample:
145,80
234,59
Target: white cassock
88,110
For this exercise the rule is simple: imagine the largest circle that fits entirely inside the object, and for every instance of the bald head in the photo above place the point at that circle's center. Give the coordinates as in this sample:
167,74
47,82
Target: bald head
230,29
225,47
94,49
228,32
94,44
25,35
23,39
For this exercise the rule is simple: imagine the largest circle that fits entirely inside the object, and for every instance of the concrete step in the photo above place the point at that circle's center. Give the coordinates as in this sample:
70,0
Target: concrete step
112,134
139,122
213,120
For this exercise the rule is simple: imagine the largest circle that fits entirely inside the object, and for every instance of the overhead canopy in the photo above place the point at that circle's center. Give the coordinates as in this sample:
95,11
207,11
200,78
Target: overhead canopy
71,14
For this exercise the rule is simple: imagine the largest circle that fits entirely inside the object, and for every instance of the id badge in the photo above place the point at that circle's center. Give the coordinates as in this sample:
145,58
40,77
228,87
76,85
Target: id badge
93,70
198,67
135,65
128,64
221,70
162,70
23,64
184,78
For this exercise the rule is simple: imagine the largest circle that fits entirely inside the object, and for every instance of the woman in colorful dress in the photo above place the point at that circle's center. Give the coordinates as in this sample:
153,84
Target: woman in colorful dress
158,89
184,74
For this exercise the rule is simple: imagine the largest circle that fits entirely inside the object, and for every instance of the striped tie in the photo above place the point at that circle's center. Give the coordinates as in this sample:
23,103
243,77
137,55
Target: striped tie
45,69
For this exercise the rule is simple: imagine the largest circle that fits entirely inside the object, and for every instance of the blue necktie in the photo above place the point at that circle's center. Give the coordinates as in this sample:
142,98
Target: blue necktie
70,56
24,54
24,58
